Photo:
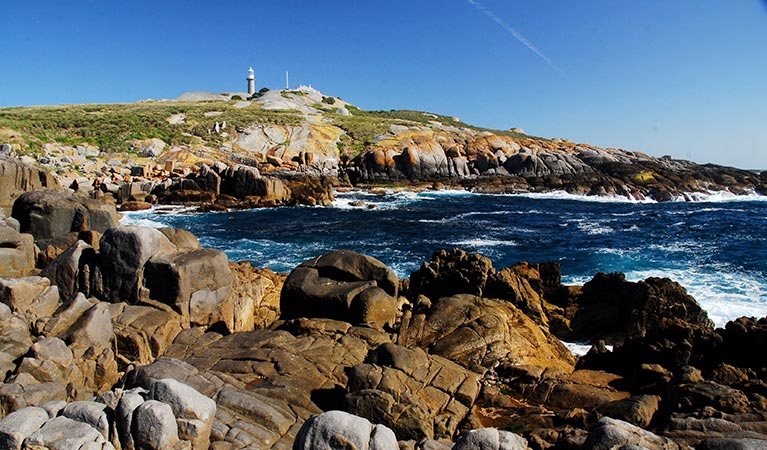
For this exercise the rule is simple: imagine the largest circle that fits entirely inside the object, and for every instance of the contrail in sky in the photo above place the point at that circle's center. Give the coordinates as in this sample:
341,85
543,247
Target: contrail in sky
517,35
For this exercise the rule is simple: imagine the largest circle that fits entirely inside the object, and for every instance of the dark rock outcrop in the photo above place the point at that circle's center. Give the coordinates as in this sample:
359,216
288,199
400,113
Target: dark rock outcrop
342,285
52,216
609,307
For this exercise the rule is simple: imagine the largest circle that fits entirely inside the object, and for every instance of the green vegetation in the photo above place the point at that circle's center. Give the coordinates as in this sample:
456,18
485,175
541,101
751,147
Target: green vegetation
110,126
363,126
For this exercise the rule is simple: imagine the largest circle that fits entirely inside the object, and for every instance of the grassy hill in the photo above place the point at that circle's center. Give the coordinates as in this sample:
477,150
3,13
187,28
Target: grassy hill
111,126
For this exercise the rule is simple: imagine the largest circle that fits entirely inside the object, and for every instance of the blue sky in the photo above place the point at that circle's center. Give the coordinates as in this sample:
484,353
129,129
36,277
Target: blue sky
682,77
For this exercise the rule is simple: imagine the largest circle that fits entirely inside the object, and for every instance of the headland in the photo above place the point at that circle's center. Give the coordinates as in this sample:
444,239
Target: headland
289,147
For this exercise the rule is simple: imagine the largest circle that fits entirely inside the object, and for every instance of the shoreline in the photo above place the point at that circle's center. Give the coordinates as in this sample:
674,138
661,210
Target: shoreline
461,343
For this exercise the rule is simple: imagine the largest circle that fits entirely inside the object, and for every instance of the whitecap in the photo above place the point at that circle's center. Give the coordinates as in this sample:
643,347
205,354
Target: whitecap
448,193
564,195
139,221
479,242
677,247
719,197
594,228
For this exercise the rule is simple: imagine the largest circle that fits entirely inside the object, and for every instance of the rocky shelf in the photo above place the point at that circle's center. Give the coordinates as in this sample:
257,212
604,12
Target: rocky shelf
129,337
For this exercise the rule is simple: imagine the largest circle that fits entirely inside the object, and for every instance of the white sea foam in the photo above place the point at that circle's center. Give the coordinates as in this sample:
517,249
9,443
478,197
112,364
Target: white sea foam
677,247
133,220
581,349
448,193
698,197
346,203
479,242
387,201
617,251
563,195
719,197
593,228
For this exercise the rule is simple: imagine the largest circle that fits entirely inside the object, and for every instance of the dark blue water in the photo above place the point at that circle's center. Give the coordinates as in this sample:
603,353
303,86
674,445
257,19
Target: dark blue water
715,249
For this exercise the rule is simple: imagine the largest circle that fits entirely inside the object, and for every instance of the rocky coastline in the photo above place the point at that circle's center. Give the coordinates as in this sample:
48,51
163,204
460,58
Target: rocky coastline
295,147
132,337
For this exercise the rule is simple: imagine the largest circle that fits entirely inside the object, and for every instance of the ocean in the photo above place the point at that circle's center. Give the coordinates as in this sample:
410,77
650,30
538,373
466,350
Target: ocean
715,246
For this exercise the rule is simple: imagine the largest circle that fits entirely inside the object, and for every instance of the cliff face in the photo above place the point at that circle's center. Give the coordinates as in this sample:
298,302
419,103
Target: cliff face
17,177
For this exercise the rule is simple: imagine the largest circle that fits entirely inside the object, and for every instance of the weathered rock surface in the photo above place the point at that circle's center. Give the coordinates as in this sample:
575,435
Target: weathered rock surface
478,332
266,383
30,295
51,216
487,438
609,307
17,178
342,285
17,250
486,162
172,416
338,429
124,252
195,283
415,394
611,433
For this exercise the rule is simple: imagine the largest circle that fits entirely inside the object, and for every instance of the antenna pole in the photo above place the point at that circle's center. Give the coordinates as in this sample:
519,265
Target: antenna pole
287,85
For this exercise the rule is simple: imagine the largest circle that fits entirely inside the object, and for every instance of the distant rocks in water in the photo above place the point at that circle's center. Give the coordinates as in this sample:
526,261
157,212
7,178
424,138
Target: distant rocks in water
236,186
503,164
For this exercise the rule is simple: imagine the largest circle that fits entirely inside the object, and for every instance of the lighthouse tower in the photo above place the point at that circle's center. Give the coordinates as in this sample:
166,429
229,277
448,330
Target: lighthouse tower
251,82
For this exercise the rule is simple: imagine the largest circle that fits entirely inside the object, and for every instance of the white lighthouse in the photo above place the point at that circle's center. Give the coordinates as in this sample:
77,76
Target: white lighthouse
251,82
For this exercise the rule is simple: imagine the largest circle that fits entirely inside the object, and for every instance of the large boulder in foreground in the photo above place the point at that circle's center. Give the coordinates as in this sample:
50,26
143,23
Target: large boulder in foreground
124,252
490,438
142,264
611,433
53,215
415,394
478,332
342,285
171,415
197,284
340,429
